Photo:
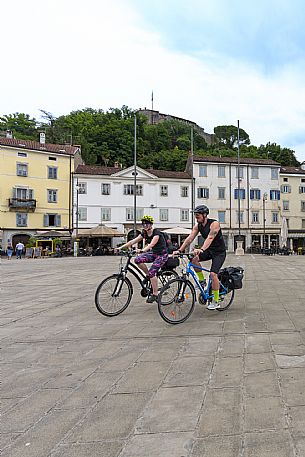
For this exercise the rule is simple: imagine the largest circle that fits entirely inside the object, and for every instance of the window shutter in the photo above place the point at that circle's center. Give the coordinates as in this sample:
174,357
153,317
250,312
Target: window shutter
236,194
207,193
278,195
58,220
289,189
31,194
271,195
45,220
198,193
14,192
251,194
258,194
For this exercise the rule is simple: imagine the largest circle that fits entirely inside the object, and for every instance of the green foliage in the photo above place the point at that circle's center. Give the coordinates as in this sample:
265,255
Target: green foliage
108,137
22,125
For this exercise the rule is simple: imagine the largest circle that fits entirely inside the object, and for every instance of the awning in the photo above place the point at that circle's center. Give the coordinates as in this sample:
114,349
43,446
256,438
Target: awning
296,235
100,230
177,231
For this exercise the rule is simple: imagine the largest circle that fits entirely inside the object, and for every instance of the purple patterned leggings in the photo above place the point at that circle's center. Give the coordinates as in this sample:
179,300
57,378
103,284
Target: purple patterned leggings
158,260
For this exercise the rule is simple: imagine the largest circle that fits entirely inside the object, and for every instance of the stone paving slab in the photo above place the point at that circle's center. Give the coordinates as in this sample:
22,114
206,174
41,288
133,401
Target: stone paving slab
75,383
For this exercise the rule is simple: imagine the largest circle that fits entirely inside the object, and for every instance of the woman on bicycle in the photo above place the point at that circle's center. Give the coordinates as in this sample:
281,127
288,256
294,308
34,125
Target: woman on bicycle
155,252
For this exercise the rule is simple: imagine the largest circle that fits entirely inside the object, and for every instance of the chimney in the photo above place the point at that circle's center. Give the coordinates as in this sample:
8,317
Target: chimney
42,138
8,134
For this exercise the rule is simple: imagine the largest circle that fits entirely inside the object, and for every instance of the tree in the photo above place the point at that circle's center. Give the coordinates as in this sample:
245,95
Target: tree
21,125
227,136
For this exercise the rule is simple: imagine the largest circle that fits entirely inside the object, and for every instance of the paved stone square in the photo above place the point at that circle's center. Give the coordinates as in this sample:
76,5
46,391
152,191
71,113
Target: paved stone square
78,384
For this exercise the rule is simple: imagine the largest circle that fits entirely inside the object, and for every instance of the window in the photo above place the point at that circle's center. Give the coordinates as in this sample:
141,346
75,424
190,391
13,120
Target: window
240,217
221,171
255,194
105,189
52,196
184,191
255,219
302,206
285,188
184,215
105,214
221,216
164,191
23,193
128,189
242,194
82,213
254,172
302,179
274,173
52,220
275,195
285,179
288,223
163,214
302,190
203,192
22,169
21,219
52,172
22,154
303,223
130,214
203,171
275,218
221,193
52,158
82,187
241,172
285,205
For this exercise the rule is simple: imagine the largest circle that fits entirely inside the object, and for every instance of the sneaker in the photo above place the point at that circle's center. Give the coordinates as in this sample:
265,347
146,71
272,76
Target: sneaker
213,305
152,298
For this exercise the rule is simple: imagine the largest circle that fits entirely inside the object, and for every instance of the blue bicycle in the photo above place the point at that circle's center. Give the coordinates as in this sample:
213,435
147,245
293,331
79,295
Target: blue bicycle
177,297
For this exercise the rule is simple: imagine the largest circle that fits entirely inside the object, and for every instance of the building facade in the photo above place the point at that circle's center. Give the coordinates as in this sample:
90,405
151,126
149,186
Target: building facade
106,195
293,204
245,199
35,187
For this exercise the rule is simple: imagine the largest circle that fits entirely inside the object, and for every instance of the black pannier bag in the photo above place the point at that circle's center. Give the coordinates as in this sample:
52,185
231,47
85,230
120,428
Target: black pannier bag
231,277
171,263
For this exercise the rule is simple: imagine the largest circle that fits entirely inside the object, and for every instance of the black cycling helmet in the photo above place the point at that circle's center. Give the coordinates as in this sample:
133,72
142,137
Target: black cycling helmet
201,209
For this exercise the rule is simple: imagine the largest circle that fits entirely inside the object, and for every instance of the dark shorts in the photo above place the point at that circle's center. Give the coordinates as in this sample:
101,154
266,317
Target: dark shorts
217,258
157,260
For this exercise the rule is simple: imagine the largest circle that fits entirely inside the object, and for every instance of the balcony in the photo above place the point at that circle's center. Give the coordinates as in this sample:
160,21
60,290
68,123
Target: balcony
27,204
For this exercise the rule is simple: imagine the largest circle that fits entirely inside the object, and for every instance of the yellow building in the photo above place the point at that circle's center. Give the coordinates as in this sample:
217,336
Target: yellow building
35,187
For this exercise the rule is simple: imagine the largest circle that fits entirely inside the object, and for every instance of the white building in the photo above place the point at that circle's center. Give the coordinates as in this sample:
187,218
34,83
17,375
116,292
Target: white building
216,185
106,195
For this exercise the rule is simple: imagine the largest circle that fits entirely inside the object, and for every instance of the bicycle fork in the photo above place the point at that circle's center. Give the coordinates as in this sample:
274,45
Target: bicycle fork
118,286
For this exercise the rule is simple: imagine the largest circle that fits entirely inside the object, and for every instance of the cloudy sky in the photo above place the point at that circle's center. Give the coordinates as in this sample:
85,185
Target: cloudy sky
212,62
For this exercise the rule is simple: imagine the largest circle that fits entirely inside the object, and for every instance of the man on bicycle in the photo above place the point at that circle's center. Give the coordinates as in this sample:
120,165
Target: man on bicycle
213,249
155,252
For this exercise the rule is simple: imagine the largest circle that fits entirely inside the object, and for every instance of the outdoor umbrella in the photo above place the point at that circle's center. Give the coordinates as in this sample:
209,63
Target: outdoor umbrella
284,233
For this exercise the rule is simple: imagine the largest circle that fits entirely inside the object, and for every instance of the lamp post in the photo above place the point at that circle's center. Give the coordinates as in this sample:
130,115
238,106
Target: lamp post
192,175
238,179
75,247
264,219
135,178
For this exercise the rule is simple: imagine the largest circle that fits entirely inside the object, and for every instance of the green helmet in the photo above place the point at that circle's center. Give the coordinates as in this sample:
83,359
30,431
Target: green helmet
149,219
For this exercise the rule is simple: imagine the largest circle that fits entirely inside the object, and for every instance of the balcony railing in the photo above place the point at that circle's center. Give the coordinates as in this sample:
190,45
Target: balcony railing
22,203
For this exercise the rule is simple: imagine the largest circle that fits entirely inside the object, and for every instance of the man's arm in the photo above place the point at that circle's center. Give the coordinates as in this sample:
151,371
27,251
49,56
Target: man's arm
189,239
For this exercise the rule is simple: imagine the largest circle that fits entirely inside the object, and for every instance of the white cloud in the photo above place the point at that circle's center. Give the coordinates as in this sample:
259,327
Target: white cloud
70,55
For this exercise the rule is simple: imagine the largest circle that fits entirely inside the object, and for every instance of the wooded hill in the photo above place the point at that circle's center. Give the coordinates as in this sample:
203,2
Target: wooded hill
107,137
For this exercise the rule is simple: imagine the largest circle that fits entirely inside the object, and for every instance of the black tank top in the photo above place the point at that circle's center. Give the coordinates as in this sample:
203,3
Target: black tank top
218,244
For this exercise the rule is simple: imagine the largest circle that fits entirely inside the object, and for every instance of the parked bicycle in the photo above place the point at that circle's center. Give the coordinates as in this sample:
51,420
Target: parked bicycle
177,297
114,293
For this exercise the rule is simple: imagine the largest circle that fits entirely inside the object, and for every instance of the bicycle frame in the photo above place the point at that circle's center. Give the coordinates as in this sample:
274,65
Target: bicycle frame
204,292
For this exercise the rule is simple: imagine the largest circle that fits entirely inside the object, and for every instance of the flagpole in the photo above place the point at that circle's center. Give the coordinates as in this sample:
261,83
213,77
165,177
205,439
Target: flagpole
152,106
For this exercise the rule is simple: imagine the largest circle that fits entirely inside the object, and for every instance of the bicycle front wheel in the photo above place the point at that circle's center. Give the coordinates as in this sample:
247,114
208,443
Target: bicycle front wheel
113,295
225,298
176,301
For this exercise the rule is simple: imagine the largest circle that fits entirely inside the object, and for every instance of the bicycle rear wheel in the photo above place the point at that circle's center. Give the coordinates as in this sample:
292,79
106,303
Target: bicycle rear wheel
113,295
176,301
225,298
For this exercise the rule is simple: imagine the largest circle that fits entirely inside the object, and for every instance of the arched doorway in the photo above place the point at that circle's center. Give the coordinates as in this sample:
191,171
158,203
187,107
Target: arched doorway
131,234
20,238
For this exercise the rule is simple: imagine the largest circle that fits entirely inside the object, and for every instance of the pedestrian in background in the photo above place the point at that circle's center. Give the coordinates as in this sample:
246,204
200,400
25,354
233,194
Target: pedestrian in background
19,250
9,251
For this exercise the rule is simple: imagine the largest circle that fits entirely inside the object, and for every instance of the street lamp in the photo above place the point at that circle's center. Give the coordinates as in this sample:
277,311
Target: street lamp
264,219
77,218
135,178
